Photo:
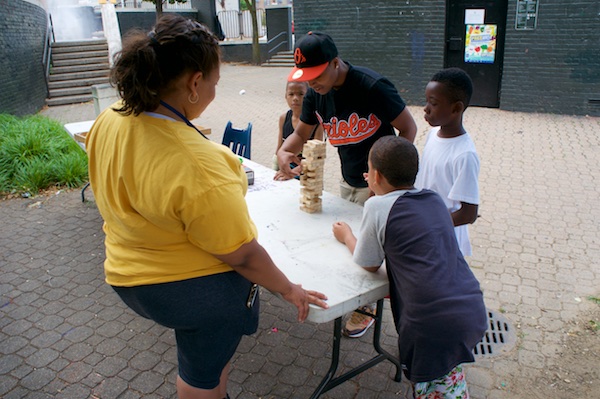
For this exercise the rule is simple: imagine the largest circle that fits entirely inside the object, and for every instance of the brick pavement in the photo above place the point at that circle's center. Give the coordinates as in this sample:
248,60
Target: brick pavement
65,334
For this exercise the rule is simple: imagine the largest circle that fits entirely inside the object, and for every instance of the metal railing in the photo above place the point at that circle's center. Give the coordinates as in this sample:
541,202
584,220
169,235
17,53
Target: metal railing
278,45
139,4
47,53
238,24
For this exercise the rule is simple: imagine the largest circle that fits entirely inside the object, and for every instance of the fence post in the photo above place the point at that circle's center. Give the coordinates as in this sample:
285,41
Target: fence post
241,23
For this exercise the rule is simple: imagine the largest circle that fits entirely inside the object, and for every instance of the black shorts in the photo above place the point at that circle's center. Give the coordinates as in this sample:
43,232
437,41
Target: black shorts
209,316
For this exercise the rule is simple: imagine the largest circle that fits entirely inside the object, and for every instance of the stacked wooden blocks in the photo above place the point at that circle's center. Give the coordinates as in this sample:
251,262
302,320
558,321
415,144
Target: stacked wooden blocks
311,179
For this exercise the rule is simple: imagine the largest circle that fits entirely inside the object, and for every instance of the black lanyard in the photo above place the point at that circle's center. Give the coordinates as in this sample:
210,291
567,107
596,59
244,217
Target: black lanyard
179,114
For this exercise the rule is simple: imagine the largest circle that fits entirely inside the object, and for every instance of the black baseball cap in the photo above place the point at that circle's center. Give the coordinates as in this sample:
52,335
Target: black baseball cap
312,54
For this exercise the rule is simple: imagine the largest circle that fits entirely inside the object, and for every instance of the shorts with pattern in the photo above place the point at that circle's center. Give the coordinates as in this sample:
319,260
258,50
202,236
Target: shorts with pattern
451,386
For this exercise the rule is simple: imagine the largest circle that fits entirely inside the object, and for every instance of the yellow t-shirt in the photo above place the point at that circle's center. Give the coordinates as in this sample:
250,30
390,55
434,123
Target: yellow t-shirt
169,199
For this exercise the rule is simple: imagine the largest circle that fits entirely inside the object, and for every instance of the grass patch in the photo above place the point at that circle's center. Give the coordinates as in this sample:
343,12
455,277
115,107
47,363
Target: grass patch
594,299
37,153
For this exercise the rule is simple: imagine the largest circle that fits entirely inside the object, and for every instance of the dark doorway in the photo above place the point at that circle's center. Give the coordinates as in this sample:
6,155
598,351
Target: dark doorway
475,33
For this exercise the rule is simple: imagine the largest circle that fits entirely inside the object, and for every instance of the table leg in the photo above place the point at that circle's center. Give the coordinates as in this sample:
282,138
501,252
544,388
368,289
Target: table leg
329,382
83,191
324,386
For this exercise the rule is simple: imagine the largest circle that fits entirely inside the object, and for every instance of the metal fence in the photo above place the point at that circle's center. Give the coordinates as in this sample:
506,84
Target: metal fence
238,24
139,4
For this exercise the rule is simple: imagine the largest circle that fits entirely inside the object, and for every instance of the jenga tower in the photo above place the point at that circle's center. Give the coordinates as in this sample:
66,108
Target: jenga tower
311,179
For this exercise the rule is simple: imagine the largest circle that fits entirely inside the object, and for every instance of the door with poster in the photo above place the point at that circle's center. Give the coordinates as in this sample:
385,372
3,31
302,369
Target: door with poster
475,33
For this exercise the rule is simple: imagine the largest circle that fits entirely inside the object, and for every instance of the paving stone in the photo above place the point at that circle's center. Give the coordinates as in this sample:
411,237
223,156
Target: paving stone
37,379
74,391
17,393
110,388
144,361
12,344
75,372
7,383
42,358
21,371
147,381
535,250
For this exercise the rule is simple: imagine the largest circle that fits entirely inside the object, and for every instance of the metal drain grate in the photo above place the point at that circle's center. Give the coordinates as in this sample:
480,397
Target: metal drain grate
498,338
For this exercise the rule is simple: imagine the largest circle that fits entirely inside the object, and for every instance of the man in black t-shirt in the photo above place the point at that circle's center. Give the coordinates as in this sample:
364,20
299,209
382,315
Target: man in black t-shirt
356,106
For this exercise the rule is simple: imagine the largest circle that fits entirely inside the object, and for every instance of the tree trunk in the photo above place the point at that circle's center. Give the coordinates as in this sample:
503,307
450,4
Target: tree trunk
255,47
159,9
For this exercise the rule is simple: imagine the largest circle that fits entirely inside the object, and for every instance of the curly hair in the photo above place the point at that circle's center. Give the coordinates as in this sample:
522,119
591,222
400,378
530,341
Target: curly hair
396,159
149,63
458,84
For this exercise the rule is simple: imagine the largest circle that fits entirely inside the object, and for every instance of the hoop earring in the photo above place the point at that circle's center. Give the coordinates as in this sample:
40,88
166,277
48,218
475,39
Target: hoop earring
194,101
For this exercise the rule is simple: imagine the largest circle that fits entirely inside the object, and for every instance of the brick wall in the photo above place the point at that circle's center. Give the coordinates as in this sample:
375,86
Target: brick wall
22,81
554,68
146,19
404,42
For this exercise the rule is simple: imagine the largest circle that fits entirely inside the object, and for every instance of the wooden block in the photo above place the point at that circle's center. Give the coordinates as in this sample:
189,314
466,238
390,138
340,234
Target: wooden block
308,200
80,137
310,195
317,174
314,148
308,164
311,179
311,209
313,186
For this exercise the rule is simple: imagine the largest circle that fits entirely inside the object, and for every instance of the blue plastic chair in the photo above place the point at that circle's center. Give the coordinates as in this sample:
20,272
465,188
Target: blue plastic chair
238,140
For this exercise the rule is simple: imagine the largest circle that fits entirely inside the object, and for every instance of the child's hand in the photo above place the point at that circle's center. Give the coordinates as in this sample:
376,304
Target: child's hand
285,158
280,176
341,231
297,170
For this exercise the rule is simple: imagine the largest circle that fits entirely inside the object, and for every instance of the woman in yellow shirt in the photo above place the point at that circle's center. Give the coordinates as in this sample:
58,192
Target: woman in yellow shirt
181,248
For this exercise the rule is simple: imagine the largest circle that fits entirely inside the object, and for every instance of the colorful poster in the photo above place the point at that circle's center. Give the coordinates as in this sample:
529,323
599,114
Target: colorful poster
480,44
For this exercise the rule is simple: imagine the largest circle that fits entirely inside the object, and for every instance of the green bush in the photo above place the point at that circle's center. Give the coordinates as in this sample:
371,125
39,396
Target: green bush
37,153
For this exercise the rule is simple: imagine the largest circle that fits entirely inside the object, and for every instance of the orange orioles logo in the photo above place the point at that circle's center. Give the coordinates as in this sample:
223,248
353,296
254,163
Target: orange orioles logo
299,57
354,130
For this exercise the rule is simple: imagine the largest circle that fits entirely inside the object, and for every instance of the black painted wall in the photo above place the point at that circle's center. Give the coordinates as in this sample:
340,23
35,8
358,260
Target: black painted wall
22,81
241,52
279,29
203,11
146,19
554,68
404,42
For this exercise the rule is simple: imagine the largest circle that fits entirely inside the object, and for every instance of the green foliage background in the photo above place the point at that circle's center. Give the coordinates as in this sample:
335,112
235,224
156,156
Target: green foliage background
37,153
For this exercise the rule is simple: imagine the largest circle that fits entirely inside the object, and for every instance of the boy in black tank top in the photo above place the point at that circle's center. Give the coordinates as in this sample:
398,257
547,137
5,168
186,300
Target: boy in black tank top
294,95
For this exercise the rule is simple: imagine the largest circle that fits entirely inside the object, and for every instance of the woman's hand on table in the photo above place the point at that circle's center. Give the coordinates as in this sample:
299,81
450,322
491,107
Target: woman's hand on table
252,261
301,298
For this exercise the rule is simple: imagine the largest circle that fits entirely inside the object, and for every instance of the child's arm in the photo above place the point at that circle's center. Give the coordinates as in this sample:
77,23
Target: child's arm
280,136
406,125
465,188
343,233
292,146
466,214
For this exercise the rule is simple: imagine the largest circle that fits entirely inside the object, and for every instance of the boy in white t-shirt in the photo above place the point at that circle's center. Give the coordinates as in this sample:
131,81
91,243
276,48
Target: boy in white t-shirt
449,163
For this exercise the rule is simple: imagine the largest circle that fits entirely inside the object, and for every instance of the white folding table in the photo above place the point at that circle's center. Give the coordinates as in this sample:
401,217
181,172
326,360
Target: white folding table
302,245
